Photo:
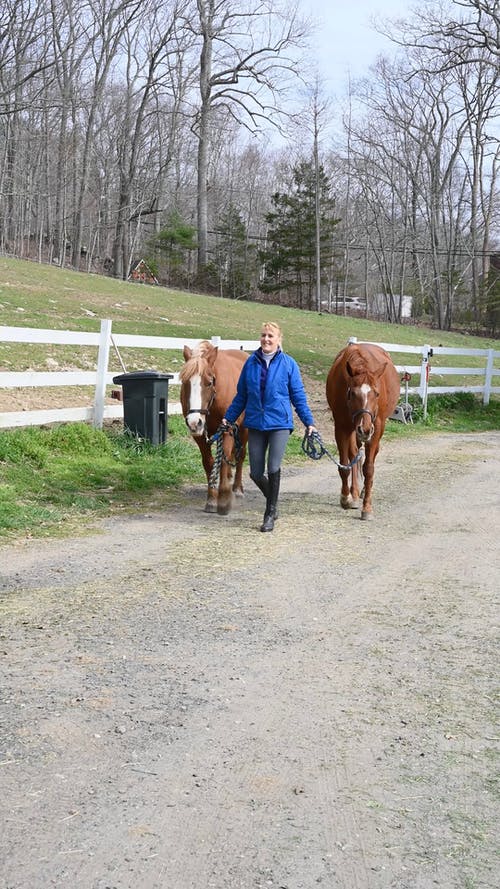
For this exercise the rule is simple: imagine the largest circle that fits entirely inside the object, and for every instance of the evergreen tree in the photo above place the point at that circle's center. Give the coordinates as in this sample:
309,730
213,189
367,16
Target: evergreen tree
235,259
290,256
176,242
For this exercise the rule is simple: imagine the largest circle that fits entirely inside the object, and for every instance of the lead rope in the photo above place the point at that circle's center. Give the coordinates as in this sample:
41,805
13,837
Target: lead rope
313,447
220,456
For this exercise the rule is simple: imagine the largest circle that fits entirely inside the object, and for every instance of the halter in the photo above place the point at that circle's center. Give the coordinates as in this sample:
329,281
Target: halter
362,410
204,411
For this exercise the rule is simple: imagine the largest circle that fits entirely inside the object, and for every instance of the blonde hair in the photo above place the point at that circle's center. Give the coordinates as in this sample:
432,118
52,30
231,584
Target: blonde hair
274,327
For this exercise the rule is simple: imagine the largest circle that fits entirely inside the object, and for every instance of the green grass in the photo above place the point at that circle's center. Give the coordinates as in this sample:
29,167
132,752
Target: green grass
54,479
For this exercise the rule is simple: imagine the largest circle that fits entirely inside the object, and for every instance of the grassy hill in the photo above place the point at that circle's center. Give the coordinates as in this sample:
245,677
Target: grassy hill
33,295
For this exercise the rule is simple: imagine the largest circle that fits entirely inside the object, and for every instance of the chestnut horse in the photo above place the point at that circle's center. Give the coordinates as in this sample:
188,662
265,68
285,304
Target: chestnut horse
362,390
208,386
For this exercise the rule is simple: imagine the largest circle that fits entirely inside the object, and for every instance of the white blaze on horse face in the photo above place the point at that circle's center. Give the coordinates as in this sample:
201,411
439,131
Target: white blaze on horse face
195,420
364,423
365,390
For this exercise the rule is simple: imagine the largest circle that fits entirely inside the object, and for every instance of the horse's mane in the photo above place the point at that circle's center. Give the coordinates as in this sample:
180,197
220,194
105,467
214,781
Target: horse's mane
196,364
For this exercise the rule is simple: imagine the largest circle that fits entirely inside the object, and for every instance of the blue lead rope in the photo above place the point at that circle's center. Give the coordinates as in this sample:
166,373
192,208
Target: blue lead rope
313,447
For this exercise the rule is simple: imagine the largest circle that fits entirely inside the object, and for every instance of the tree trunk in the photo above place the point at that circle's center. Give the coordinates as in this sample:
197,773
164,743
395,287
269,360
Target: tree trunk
206,10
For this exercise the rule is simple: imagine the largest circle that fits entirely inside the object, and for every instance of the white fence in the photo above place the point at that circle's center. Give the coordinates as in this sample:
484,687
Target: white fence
101,377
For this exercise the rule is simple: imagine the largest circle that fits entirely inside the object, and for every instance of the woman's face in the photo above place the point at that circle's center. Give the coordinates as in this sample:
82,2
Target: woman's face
269,340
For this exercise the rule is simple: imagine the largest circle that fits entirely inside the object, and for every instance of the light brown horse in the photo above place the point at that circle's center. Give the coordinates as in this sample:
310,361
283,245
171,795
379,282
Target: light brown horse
208,386
362,390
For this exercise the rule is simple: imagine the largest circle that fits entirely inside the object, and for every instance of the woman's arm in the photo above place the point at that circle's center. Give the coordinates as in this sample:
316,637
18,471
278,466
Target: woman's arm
298,395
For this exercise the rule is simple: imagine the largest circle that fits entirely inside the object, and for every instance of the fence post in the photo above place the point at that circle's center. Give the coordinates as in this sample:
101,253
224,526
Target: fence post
102,369
488,376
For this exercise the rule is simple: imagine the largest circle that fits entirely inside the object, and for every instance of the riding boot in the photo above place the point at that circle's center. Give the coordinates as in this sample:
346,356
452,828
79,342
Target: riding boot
270,514
263,484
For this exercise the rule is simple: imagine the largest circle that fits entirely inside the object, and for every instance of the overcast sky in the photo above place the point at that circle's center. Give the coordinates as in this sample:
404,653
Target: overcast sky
345,41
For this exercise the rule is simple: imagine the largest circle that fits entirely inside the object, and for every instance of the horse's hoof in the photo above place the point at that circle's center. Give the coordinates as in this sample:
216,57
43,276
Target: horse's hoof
223,510
366,516
238,493
211,507
349,503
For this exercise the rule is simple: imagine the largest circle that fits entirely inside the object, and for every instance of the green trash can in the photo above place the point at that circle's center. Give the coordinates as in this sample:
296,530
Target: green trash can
145,404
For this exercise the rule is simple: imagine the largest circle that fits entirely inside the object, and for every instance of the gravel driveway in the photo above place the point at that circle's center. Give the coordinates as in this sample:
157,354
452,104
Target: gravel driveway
187,703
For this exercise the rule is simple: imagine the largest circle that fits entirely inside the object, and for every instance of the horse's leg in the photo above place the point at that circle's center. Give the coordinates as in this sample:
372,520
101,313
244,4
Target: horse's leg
238,476
372,449
225,495
345,448
208,462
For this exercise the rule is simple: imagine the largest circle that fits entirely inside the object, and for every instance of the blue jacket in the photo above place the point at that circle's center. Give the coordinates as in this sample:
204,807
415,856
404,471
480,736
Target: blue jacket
283,388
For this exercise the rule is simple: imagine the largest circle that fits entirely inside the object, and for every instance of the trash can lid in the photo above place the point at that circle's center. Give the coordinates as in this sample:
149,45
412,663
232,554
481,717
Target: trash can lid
142,375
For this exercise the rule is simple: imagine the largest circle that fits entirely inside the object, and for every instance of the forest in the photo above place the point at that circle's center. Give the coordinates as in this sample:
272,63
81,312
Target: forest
197,137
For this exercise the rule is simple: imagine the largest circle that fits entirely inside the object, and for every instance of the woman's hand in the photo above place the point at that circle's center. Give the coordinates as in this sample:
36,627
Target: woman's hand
311,429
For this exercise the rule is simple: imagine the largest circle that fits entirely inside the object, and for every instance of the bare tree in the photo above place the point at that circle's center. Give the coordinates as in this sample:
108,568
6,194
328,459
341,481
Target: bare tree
147,52
107,23
478,29
425,155
246,56
24,52
69,22
24,59
407,154
456,34
479,86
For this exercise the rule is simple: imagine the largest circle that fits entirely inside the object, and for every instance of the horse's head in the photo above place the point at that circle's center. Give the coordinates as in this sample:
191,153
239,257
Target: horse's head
363,399
198,385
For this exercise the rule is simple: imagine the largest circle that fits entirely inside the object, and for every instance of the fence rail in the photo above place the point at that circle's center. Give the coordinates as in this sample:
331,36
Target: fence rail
100,378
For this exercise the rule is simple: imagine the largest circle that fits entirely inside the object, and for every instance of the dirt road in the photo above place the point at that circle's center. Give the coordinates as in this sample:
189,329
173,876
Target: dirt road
188,703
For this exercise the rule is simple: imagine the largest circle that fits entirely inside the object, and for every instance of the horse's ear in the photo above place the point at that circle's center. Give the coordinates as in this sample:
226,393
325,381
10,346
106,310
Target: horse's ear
380,369
349,369
187,352
211,354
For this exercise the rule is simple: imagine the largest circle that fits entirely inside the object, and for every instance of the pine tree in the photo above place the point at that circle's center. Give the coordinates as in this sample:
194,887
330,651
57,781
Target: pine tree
235,258
290,256
176,242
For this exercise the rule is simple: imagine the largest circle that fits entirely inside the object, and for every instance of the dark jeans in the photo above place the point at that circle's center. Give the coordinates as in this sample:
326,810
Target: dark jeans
259,443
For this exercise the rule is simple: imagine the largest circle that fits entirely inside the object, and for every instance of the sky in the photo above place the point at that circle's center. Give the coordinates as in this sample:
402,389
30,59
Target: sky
346,43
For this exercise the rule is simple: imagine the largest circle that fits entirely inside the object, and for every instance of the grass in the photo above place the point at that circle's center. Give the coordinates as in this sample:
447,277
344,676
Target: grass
54,479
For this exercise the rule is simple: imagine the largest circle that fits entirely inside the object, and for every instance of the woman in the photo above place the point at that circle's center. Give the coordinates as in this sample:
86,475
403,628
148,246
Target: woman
269,384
